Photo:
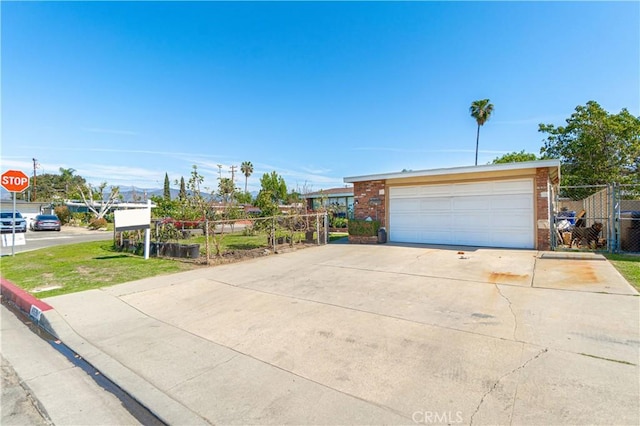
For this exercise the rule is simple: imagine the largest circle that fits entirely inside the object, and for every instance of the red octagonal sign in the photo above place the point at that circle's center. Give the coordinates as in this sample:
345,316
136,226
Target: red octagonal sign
14,181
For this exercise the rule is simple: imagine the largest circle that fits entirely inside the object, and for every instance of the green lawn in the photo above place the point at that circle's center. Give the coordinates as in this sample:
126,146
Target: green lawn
238,241
83,266
628,266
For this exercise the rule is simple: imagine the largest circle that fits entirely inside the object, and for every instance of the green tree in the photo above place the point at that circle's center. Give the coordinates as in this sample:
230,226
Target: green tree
57,187
243,197
182,194
595,147
167,189
480,110
197,203
247,169
164,207
226,188
66,179
515,157
273,191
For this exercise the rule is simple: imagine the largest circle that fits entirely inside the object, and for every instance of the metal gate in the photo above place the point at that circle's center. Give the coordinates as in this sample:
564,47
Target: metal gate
596,218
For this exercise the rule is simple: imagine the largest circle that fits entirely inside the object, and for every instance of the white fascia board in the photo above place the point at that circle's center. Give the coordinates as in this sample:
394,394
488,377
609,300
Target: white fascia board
457,170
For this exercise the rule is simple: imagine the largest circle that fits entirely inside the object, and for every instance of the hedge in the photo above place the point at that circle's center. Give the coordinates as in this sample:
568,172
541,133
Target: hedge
366,228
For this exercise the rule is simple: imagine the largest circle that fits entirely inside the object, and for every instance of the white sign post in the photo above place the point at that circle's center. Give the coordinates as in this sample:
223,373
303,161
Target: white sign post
134,219
14,181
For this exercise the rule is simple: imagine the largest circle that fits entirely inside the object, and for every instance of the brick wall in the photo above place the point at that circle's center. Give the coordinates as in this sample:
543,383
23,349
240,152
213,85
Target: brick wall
370,200
361,239
542,209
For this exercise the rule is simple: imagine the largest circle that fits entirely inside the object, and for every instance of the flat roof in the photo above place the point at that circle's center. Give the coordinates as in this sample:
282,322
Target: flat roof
458,170
331,192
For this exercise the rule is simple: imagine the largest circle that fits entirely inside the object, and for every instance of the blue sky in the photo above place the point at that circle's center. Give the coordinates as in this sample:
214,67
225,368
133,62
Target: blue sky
126,91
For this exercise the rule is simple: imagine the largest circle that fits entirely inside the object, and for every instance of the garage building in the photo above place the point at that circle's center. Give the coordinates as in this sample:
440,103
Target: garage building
496,205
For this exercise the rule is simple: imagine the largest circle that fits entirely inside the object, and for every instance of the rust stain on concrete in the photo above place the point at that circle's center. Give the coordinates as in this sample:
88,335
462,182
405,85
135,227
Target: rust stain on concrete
581,273
502,277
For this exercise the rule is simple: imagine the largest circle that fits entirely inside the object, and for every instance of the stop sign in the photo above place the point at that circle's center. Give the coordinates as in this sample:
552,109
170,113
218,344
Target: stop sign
14,181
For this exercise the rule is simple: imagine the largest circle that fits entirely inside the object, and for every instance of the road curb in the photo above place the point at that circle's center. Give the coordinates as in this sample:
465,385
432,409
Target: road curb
161,405
23,299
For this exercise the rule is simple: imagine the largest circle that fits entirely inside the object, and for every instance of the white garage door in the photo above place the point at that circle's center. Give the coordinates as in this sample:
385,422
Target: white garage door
492,214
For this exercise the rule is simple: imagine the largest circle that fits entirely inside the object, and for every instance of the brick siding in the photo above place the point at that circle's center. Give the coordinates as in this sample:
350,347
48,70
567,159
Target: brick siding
542,210
364,206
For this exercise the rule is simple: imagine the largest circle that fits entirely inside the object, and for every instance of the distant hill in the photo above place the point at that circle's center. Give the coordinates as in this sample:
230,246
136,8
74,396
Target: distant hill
131,193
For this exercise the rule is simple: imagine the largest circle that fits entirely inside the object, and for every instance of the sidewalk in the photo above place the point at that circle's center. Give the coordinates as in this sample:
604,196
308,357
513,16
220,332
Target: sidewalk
346,334
65,394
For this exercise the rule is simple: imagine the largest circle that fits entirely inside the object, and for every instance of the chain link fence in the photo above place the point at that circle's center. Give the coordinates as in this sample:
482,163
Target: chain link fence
232,238
596,218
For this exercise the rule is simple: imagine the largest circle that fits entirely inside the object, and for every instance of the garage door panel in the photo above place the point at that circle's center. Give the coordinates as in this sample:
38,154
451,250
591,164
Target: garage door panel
433,190
471,204
492,213
407,205
465,189
463,222
435,204
510,202
514,219
476,238
425,237
513,187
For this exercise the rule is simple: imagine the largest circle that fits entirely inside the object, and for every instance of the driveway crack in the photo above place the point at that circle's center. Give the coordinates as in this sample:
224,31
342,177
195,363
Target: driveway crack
515,318
495,385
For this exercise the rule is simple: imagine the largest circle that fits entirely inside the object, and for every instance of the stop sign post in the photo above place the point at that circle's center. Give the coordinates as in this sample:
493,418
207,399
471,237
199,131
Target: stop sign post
14,181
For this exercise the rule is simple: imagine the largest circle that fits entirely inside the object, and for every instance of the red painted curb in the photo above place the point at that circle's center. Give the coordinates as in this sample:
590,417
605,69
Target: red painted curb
21,298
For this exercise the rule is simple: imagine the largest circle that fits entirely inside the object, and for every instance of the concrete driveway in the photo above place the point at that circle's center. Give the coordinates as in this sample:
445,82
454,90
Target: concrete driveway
347,334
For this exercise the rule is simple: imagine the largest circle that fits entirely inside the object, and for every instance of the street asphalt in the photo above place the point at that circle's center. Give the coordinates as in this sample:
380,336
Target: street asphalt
382,334
35,240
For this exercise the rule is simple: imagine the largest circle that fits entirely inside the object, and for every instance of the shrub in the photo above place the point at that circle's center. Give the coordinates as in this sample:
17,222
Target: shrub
339,222
366,228
79,218
63,214
98,223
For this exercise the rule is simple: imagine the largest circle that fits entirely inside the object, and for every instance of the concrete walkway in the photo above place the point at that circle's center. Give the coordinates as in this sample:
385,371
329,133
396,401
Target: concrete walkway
41,387
345,334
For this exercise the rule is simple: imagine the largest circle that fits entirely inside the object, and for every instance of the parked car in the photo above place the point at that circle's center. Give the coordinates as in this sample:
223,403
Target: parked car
45,222
6,222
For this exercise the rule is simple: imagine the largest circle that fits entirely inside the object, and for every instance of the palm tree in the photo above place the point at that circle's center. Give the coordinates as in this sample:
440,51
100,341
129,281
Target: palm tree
66,176
246,168
480,110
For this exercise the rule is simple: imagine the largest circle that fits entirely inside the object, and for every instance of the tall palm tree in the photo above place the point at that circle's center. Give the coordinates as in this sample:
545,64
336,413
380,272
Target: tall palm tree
480,110
246,168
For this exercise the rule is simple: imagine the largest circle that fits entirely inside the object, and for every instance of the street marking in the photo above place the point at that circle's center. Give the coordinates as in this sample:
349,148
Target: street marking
47,238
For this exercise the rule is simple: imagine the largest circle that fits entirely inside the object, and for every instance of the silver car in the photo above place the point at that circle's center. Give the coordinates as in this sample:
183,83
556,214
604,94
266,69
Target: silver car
44,222
6,222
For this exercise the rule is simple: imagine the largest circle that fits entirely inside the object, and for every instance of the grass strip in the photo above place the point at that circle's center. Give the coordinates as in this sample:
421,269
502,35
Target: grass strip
84,266
628,265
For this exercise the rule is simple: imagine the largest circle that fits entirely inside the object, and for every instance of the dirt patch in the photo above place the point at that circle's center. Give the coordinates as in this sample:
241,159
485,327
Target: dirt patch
83,270
233,256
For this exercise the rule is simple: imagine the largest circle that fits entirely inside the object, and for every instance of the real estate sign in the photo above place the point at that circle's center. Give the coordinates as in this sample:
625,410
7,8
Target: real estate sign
131,220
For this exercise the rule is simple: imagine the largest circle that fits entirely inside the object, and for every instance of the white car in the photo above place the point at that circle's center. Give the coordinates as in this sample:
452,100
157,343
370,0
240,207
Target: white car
6,222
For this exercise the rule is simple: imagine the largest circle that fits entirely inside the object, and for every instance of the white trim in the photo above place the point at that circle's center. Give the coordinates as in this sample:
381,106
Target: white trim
457,170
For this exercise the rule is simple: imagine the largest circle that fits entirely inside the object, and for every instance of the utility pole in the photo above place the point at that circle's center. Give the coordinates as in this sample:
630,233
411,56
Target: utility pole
220,171
35,164
233,174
